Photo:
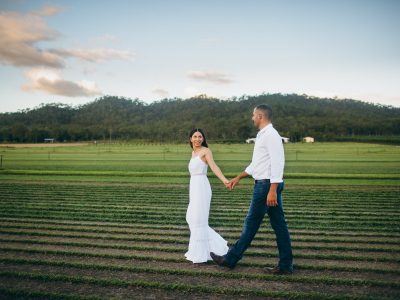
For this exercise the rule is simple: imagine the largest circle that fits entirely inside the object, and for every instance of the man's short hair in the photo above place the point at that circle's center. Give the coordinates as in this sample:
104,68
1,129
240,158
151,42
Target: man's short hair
266,110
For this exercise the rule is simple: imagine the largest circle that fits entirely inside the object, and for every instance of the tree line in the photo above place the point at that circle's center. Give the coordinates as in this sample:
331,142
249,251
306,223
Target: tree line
170,120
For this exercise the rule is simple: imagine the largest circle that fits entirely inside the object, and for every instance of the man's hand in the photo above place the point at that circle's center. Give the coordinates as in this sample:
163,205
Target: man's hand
233,183
272,199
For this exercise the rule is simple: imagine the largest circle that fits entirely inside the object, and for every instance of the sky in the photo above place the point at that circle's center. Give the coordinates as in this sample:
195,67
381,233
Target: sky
73,52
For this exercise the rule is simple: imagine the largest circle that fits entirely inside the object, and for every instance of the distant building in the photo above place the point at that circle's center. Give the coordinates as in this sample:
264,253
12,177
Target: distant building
285,140
251,140
308,139
49,140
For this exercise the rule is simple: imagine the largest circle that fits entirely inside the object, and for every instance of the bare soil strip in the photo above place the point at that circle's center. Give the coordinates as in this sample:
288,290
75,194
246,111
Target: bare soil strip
224,283
242,269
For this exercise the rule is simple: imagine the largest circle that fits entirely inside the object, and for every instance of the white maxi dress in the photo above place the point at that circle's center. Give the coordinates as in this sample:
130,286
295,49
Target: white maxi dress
203,239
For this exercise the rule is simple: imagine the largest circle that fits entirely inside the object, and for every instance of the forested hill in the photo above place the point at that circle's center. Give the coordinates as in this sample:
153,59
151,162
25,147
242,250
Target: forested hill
295,116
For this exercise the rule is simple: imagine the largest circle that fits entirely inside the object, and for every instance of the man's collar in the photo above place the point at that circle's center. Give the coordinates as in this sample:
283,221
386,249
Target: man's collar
264,128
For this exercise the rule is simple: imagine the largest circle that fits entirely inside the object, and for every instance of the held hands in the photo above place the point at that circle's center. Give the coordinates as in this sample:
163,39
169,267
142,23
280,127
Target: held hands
232,183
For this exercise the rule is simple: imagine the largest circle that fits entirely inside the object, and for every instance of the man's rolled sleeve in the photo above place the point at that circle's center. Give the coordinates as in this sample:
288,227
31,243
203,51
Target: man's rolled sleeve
277,156
250,169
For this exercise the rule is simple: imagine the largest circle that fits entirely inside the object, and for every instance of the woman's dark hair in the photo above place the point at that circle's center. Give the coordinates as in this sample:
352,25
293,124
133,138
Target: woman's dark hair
193,131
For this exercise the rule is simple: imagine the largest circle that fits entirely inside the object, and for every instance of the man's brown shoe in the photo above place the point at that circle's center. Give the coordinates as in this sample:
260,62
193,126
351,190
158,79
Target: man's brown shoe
219,260
277,271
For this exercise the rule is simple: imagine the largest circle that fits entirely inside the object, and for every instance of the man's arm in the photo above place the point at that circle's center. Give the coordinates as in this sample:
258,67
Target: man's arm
277,156
247,172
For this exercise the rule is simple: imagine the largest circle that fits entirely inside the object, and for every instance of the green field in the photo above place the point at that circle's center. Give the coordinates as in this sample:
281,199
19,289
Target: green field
320,163
108,221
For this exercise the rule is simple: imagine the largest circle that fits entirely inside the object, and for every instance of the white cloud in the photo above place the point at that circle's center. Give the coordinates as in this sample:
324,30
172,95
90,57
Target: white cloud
18,35
50,82
210,76
21,32
95,55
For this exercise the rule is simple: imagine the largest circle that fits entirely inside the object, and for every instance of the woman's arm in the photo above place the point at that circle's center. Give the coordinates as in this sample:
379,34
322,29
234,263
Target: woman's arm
213,166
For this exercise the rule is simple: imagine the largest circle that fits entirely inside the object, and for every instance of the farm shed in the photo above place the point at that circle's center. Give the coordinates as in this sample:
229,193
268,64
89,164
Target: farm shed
308,139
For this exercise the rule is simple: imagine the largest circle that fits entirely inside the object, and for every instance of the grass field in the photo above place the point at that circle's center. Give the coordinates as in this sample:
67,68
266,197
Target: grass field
108,221
320,163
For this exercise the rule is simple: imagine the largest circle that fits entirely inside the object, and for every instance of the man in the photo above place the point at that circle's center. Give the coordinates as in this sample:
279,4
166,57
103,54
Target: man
267,170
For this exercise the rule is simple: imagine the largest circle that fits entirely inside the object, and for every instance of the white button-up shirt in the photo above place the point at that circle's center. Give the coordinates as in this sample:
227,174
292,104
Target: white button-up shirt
268,156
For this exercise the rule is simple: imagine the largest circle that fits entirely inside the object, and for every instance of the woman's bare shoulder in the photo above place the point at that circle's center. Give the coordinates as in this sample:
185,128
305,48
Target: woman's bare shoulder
207,151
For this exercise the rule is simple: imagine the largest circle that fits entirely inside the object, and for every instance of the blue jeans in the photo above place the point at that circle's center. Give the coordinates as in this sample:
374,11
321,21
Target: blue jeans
257,210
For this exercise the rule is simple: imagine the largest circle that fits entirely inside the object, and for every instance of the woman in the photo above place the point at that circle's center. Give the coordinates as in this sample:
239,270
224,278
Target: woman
203,239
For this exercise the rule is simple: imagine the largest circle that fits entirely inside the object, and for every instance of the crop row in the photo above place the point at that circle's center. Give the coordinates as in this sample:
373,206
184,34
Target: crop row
218,206
238,193
292,217
267,234
165,220
229,216
127,235
127,190
143,188
190,288
216,274
264,253
310,204
178,197
177,200
177,174
23,293
215,219
158,258
127,227
182,208
66,203
170,240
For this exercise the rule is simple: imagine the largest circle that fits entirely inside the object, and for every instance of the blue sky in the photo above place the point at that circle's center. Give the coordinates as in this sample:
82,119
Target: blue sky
75,51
